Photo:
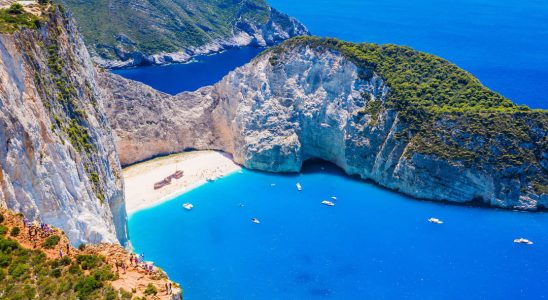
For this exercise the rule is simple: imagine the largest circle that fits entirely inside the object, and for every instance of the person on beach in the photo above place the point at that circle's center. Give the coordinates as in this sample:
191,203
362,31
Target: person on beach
60,253
167,289
68,248
170,290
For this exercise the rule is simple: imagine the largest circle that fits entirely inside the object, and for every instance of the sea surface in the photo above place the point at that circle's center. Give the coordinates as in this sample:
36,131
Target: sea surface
373,244
504,43
201,71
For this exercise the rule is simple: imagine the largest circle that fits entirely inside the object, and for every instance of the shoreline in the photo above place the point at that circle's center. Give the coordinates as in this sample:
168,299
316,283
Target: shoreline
197,166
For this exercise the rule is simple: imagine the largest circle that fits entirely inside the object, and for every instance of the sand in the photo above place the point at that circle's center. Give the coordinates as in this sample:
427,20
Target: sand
197,166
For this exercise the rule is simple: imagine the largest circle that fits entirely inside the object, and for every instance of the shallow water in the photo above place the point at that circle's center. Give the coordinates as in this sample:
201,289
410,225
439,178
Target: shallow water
373,244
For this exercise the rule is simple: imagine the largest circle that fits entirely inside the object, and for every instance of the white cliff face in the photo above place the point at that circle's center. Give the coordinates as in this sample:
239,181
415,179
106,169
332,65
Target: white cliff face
43,174
284,108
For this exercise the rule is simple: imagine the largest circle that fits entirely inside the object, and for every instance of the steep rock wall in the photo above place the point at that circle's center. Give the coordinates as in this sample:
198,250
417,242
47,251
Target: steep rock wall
282,109
58,162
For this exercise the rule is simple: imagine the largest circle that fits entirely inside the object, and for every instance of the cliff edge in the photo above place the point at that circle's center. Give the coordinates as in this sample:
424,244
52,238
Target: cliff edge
58,161
407,120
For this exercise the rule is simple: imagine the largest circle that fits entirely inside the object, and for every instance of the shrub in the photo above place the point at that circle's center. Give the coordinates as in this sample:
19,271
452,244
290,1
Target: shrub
1,218
18,270
88,262
150,290
86,286
16,9
7,246
3,230
74,269
51,242
65,261
56,272
4,260
81,247
15,231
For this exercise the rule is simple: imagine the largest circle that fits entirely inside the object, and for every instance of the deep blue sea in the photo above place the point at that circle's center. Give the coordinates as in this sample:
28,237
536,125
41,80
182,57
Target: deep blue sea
202,71
502,42
373,244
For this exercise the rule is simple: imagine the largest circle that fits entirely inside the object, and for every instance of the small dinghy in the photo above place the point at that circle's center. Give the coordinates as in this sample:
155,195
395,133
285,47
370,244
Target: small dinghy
255,220
523,241
328,203
435,221
299,186
188,206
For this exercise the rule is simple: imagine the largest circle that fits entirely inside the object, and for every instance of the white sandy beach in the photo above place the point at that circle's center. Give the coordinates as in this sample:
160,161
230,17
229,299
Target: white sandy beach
196,165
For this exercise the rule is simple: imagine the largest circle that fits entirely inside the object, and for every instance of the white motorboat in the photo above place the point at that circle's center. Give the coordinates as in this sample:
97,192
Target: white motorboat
523,241
188,206
210,179
328,203
299,186
435,221
334,198
255,220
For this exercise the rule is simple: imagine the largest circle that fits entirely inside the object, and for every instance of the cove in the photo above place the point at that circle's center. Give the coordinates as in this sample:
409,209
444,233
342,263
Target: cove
201,71
373,244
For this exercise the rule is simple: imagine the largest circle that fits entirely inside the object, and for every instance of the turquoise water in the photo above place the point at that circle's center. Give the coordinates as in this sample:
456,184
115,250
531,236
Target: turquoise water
373,244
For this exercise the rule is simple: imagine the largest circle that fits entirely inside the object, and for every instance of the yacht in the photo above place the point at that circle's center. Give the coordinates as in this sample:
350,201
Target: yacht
435,221
523,241
188,206
328,203
299,186
255,220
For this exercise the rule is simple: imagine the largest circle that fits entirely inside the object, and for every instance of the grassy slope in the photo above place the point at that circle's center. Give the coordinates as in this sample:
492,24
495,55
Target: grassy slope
449,113
11,22
160,25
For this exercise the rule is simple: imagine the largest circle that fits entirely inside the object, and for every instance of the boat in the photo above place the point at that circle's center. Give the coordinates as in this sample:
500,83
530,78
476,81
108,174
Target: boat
299,187
328,203
435,221
523,241
188,206
210,179
272,184
255,220
334,198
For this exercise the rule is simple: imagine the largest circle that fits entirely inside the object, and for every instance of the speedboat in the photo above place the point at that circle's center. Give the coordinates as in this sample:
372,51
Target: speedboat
299,187
334,198
523,241
188,206
255,220
328,203
210,179
435,221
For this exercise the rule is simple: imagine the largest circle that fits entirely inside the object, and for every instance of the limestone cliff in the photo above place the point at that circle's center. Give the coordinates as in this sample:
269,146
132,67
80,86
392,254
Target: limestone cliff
346,103
166,31
58,162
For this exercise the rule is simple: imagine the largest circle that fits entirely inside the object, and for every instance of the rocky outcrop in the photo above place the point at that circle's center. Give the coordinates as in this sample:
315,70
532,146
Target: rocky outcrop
176,31
303,102
58,162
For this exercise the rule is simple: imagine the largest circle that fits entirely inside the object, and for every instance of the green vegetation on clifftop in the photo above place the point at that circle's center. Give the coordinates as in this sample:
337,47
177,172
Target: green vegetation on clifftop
15,18
154,26
446,112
